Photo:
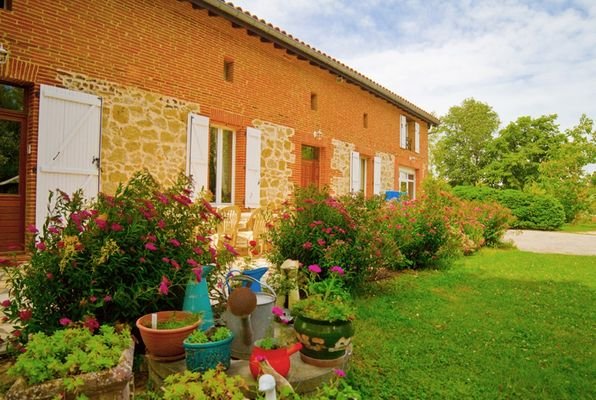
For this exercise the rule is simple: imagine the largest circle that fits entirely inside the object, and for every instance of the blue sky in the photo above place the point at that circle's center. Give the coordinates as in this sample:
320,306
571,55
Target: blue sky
520,57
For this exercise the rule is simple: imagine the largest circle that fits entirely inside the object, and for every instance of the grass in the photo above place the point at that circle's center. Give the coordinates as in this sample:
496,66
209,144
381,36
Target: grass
580,227
497,325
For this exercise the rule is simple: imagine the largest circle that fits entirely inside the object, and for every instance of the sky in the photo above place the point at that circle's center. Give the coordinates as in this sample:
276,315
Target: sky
520,57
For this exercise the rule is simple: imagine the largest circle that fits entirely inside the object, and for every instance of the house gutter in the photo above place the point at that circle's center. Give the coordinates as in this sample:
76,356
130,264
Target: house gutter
304,52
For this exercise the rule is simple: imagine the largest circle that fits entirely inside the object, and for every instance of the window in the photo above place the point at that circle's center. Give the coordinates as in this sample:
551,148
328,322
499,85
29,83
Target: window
5,4
365,120
409,134
314,102
221,164
229,70
407,182
363,175
310,166
12,106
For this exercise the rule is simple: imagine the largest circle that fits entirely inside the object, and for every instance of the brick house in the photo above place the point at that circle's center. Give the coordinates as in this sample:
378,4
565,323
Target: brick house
92,91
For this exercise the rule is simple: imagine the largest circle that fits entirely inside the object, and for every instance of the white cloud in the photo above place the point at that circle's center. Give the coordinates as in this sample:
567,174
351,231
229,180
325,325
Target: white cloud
521,57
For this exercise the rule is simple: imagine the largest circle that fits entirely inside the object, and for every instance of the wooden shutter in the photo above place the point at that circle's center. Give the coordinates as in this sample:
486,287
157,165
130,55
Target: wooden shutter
68,145
252,197
417,137
403,132
377,175
355,172
197,149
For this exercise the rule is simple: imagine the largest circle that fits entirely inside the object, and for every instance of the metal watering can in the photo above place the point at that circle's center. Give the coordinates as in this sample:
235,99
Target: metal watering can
256,273
261,317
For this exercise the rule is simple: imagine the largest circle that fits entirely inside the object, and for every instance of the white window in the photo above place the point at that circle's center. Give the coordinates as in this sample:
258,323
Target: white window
363,175
409,134
221,164
407,182
358,173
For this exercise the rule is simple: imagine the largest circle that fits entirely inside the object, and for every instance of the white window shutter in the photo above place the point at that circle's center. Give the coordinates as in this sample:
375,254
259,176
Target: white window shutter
355,172
403,132
417,137
377,175
198,151
252,197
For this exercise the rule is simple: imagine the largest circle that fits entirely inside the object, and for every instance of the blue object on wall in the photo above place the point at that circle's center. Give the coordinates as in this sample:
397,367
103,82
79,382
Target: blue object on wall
392,194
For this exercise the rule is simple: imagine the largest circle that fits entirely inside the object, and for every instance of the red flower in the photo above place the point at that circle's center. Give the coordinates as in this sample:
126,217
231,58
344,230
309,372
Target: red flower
161,224
252,243
5,303
117,227
231,250
91,323
50,276
150,246
101,223
25,315
16,333
40,246
164,286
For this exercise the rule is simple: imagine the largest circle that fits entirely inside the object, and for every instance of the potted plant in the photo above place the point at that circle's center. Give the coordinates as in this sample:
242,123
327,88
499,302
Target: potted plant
206,350
275,353
73,362
213,384
115,258
164,332
323,320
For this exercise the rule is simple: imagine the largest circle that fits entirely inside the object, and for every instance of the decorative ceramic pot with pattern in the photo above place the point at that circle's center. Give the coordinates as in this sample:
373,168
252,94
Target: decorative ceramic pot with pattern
324,343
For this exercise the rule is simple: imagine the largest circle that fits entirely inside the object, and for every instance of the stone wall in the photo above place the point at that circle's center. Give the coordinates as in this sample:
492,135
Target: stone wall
340,162
278,155
140,130
387,172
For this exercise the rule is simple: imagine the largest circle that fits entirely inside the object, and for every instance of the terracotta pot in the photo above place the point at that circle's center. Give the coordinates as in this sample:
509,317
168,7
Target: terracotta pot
166,344
279,359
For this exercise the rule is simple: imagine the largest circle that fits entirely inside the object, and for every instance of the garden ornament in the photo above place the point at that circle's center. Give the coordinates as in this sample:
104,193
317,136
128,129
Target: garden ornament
267,385
290,269
242,302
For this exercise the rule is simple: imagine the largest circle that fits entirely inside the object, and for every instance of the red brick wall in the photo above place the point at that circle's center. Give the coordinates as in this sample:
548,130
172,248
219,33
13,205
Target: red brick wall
168,47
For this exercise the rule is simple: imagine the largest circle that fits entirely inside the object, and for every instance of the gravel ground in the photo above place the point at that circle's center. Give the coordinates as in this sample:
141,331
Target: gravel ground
554,242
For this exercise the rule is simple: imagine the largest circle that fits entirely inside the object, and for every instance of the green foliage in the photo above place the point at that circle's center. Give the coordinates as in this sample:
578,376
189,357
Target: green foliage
268,343
531,211
211,335
464,134
115,259
516,154
174,323
497,325
70,352
213,384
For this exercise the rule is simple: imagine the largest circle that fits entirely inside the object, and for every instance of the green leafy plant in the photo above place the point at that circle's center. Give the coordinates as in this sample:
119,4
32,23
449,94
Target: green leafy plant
268,343
211,335
116,258
174,323
213,384
70,352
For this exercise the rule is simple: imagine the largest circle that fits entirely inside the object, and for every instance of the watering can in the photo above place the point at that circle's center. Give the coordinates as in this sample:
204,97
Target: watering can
257,274
196,298
279,359
260,318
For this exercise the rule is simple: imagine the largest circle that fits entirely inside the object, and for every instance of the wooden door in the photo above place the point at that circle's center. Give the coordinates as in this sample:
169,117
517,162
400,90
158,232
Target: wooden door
310,166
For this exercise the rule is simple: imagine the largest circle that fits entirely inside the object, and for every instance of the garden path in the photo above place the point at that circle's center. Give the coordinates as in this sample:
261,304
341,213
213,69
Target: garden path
553,242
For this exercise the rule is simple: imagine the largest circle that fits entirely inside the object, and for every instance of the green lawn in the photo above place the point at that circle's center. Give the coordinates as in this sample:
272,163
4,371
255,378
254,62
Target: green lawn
581,227
502,324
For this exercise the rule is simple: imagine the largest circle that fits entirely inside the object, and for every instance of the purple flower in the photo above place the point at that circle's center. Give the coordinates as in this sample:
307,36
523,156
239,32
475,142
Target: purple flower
337,269
314,268
150,246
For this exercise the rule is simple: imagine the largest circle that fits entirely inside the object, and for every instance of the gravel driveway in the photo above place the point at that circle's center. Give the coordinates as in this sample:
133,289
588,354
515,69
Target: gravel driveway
554,242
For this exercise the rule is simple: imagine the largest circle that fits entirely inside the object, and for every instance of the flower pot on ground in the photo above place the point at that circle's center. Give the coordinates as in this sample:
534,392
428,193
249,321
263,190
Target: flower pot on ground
268,349
323,322
213,384
207,350
165,341
72,363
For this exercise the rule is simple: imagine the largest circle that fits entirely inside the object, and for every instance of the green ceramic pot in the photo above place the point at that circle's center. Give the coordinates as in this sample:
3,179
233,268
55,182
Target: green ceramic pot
323,340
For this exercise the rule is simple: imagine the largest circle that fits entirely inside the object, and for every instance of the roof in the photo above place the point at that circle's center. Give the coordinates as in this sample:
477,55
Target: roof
282,40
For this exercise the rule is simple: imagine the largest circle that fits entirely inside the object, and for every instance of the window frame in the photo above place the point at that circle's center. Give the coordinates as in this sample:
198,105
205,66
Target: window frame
7,5
407,181
217,196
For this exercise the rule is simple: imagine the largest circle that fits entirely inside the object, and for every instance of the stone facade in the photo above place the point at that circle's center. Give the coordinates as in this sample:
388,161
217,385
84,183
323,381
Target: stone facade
340,162
278,155
387,172
140,130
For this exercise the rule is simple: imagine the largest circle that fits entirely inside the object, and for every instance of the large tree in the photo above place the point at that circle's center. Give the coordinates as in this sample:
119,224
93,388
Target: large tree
464,134
520,148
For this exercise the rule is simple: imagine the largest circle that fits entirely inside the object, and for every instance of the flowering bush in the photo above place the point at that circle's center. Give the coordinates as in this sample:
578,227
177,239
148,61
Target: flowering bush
319,229
115,259
328,299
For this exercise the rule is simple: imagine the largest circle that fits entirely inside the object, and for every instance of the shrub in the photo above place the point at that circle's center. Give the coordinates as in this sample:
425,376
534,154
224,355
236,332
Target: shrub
115,259
532,211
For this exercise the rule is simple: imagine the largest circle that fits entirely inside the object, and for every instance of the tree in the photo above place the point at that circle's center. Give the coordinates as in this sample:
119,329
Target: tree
460,152
520,148
563,175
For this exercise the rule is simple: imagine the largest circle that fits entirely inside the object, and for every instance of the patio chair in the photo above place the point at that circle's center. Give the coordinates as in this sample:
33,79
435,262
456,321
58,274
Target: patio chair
227,229
256,229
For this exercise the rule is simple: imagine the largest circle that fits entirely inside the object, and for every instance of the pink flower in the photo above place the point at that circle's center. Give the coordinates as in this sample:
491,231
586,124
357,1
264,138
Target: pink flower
150,246
339,270
116,227
161,224
165,259
278,311
65,321
261,358
198,250
101,223
339,372
92,299
231,250
142,260
5,303
174,242
16,333
192,262
314,268
40,246
50,276
53,230
184,200
175,264
107,298
91,323
307,245
32,229
198,271
25,315
321,242
162,198
164,286
150,238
